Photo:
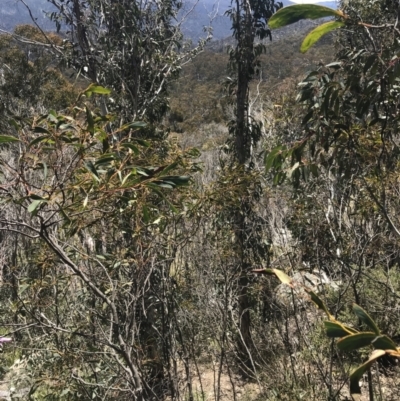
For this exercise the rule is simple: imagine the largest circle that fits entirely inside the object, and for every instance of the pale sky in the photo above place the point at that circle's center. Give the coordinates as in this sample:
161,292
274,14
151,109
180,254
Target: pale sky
310,1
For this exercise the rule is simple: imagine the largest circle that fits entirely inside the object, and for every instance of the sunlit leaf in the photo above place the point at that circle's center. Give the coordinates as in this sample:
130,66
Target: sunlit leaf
34,206
100,90
358,373
363,315
291,14
283,277
334,329
317,33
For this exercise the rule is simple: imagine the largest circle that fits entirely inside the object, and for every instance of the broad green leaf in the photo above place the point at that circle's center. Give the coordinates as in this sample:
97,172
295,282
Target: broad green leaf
358,373
356,341
291,14
334,329
317,33
8,139
363,315
319,303
384,342
100,90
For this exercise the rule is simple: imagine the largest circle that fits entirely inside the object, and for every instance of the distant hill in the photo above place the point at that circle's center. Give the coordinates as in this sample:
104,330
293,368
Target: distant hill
210,13
199,15
13,13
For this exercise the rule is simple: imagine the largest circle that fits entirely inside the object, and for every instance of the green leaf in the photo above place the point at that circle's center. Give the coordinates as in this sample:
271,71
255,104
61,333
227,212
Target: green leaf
131,146
90,167
134,124
384,342
41,130
291,14
45,170
90,121
142,142
370,61
172,207
358,373
36,197
146,214
67,220
356,341
100,90
169,168
38,140
8,139
317,33
334,329
271,156
104,160
34,206
319,303
363,316
178,181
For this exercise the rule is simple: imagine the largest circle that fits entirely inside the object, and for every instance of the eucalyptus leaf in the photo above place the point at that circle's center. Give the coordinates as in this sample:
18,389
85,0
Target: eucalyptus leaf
8,139
291,14
317,33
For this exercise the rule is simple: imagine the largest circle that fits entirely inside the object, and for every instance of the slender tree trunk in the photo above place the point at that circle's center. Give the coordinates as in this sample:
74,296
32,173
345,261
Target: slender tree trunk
242,154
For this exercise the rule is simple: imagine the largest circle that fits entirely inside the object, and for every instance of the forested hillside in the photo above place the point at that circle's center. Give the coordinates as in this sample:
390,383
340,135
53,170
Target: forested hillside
215,222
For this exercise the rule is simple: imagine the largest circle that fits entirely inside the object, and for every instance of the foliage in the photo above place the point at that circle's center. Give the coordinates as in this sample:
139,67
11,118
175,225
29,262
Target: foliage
342,157
91,205
29,75
350,338
132,47
291,14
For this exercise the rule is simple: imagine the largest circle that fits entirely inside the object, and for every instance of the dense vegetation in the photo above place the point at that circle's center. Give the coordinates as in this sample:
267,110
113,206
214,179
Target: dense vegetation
145,184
